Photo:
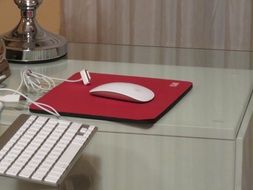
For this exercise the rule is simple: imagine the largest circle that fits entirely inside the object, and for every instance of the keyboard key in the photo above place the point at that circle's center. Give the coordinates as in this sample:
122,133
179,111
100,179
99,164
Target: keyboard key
42,148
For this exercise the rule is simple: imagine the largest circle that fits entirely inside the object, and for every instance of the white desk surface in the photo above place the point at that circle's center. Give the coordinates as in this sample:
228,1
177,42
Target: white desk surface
214,108
127,156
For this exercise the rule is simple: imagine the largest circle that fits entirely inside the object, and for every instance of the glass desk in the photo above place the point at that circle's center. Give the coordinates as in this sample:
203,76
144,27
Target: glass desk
204,142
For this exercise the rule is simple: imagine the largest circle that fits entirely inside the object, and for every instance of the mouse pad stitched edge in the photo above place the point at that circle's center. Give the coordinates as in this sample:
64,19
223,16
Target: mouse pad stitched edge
73,99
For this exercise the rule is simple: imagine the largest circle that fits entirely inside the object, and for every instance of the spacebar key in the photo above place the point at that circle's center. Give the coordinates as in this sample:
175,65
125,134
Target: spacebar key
69,153
63,162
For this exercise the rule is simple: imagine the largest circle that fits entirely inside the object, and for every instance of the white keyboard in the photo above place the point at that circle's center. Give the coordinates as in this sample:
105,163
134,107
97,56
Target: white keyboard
42,149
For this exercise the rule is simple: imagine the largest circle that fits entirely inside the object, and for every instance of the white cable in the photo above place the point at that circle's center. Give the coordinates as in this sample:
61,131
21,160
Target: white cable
66,80
39,82
42,106
34,81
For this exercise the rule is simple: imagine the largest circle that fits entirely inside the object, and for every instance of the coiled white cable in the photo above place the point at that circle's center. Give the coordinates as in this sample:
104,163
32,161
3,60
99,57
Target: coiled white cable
41,83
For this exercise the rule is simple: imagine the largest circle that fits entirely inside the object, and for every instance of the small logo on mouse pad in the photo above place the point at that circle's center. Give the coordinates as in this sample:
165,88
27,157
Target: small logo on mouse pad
174,84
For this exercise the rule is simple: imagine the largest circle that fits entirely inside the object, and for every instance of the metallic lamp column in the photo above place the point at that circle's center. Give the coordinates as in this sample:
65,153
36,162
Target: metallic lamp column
28,42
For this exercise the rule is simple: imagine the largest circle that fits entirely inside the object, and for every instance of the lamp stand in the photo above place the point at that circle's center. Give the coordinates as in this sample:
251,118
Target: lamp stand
28,42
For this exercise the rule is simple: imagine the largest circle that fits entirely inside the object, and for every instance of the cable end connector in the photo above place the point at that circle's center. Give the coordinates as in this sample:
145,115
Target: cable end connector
85,75
10,98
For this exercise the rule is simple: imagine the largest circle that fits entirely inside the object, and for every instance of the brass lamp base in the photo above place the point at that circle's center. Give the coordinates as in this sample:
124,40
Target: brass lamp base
28,42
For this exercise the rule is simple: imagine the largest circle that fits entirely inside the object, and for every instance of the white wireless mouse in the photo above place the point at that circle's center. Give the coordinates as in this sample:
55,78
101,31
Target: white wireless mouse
124,91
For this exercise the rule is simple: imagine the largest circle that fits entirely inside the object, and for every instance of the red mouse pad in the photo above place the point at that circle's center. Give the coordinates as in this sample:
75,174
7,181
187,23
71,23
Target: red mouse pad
74,99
